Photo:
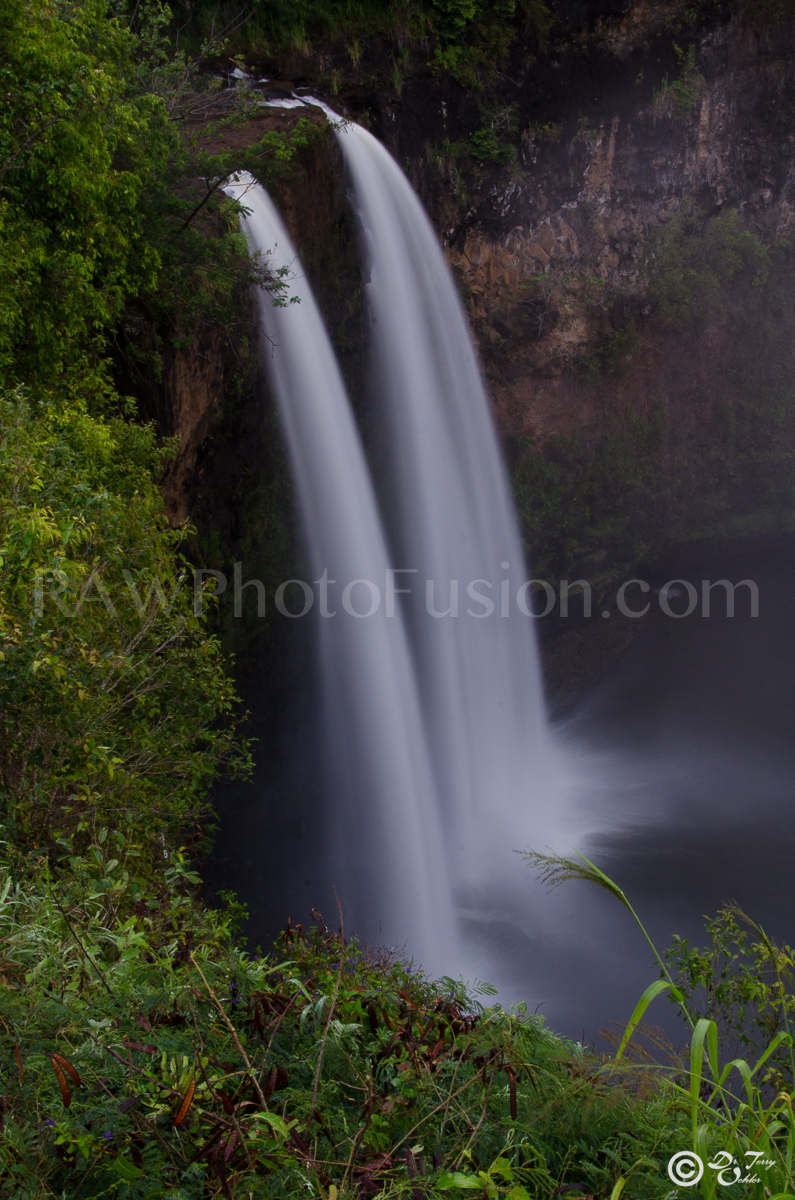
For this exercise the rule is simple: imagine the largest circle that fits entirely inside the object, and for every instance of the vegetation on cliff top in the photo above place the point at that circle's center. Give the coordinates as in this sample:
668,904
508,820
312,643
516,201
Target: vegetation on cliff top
117,707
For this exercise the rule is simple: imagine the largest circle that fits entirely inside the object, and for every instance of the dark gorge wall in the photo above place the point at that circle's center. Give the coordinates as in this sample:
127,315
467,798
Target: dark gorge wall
617,202
623,242
195,363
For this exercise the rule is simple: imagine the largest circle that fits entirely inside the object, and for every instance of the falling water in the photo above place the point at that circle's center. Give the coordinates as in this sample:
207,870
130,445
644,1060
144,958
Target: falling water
454,526
436,719
383,820
437,723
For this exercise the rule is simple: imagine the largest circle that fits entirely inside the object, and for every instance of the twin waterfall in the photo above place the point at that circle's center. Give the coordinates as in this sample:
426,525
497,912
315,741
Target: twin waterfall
434,735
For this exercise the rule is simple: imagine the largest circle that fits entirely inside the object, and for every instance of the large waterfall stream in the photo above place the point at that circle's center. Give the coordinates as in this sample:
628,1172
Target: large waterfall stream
453,525
435,738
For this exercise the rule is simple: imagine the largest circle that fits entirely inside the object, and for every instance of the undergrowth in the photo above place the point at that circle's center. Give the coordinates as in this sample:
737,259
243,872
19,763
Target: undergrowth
146,1055
740,1116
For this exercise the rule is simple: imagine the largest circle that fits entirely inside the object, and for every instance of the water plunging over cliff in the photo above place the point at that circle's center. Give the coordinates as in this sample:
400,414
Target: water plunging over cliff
382,817
438,755
453,524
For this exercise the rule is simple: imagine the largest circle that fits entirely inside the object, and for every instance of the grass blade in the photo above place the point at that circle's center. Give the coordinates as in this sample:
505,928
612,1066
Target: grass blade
651,992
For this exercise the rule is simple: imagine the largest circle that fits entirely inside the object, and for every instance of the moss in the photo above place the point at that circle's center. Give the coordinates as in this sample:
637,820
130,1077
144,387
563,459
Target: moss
609,354
584,502
678,97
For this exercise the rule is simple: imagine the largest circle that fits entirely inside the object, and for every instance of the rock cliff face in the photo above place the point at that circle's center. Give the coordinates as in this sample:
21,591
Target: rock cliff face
621,224
619,210
556,251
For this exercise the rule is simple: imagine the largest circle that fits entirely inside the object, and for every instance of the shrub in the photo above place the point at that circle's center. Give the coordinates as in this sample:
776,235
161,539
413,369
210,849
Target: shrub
701,267
115,705
743,981
740,1130
151,1058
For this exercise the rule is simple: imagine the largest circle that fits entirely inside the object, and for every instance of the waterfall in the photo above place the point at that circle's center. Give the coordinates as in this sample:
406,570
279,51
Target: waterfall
387,859
438,753
454,525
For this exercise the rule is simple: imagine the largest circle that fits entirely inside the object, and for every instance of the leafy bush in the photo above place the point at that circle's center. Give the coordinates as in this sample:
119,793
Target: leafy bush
104,183
586,504
111,691
78,151
151,1058
702,266
744,982
736,1123
129,1078
465,40
678,97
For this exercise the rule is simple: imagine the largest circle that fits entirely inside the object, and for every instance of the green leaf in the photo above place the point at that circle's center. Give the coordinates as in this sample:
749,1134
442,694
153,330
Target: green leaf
652,991
456,1179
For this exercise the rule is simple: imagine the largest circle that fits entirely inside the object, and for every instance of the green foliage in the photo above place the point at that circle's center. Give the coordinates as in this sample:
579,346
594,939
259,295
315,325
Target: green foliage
591,505
485,146
493,142
276,27
744,982
78,153
151,1058
473,37
609,354
99,163
111,692
701,265
466,40
678,97
544,131
456,15
735,1124
128,1078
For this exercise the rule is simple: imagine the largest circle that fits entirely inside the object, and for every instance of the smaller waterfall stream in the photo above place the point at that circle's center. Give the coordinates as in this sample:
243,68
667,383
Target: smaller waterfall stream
382,819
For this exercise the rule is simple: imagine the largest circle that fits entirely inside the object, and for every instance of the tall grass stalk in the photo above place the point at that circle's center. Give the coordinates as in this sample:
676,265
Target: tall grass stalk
730,1129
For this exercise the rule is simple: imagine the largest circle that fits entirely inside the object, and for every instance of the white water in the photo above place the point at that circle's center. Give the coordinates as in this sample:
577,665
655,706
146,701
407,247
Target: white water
382,817
484,765
453,523
439,751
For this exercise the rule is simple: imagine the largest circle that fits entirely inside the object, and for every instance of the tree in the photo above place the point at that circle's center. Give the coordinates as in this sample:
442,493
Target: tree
78,151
